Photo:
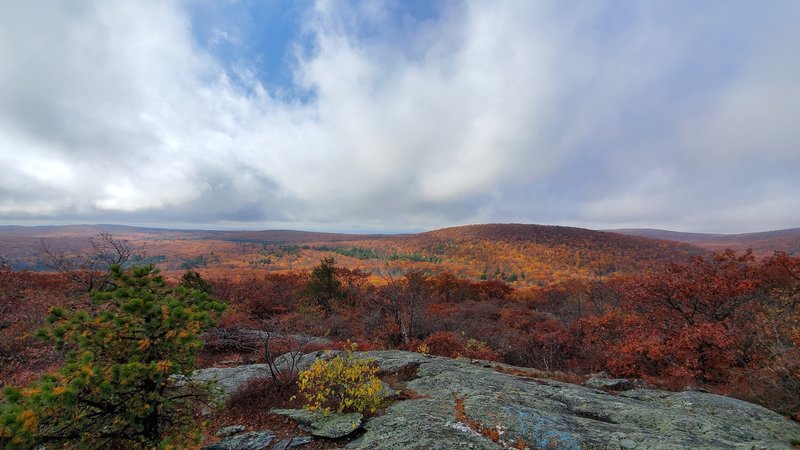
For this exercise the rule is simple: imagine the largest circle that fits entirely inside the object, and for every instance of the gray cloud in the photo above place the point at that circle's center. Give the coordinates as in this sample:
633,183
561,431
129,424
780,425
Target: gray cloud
677,115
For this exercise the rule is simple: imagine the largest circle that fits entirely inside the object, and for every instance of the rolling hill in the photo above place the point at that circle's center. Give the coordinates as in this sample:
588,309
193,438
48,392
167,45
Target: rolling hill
532,254
521,254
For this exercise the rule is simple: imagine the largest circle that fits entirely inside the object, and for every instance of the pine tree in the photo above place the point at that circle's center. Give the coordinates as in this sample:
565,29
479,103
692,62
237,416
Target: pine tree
119,386
324,287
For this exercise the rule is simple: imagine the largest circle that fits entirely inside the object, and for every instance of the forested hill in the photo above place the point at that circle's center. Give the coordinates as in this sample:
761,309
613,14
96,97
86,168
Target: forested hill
541,251
550,235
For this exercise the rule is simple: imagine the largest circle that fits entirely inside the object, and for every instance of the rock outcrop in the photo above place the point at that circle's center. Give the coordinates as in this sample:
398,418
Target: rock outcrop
448,403
603,382
229,379
230,431
236,438
318,424
255,440
293,442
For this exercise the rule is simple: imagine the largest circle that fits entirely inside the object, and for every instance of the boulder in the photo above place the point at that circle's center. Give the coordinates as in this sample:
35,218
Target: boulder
609,384
293,442
331,426
256,440
227,380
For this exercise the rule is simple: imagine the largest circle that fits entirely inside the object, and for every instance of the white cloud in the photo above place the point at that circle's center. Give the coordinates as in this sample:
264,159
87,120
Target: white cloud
531,111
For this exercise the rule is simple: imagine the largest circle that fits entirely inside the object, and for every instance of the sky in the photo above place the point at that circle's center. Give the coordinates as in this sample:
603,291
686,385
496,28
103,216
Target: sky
391,116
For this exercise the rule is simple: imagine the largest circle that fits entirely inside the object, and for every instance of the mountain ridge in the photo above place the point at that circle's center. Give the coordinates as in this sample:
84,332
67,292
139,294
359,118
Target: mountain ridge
656,233
762,243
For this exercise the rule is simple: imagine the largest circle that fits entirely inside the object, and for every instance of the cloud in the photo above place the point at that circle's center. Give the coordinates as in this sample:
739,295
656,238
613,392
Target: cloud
594,114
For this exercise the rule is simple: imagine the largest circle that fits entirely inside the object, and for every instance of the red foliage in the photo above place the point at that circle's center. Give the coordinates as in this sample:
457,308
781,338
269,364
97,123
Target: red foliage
727,322
723,288
493,290
25,298
445,343
544,344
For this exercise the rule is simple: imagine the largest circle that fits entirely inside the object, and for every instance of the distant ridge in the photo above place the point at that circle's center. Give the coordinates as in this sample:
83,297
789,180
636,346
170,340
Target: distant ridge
677,236
762,243
525,254
520,232
269,236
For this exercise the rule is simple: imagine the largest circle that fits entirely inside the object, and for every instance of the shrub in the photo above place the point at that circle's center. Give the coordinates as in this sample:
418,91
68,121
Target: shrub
479,350
250,405
445,343
344,383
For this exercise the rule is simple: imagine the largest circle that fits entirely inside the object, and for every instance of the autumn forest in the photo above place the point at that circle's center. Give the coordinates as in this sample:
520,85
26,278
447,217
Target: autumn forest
563,302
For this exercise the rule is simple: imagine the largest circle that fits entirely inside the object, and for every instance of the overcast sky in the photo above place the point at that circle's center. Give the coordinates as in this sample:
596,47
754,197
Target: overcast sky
393,116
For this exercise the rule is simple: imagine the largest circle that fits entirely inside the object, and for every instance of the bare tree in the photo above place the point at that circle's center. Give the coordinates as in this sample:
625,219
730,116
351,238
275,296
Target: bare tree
90,270
280,350
402,301
284,368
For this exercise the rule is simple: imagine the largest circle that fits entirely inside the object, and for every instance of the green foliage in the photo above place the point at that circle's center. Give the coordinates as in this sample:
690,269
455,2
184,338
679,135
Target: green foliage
193,280
193,263
364,253
414,257
279,251
118,387
324,287
144,260
358,252
289,249
342,384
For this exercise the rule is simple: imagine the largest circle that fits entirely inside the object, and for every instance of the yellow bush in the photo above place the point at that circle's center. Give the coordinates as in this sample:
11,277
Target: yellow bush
342,384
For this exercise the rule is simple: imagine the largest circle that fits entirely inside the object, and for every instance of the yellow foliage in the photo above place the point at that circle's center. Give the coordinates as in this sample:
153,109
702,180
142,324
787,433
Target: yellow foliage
164,366
193,326
29,420
58,390
343,383
87,369
27,392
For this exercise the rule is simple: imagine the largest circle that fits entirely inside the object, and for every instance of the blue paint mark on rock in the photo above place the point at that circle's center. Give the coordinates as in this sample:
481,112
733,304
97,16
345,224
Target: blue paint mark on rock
543,431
